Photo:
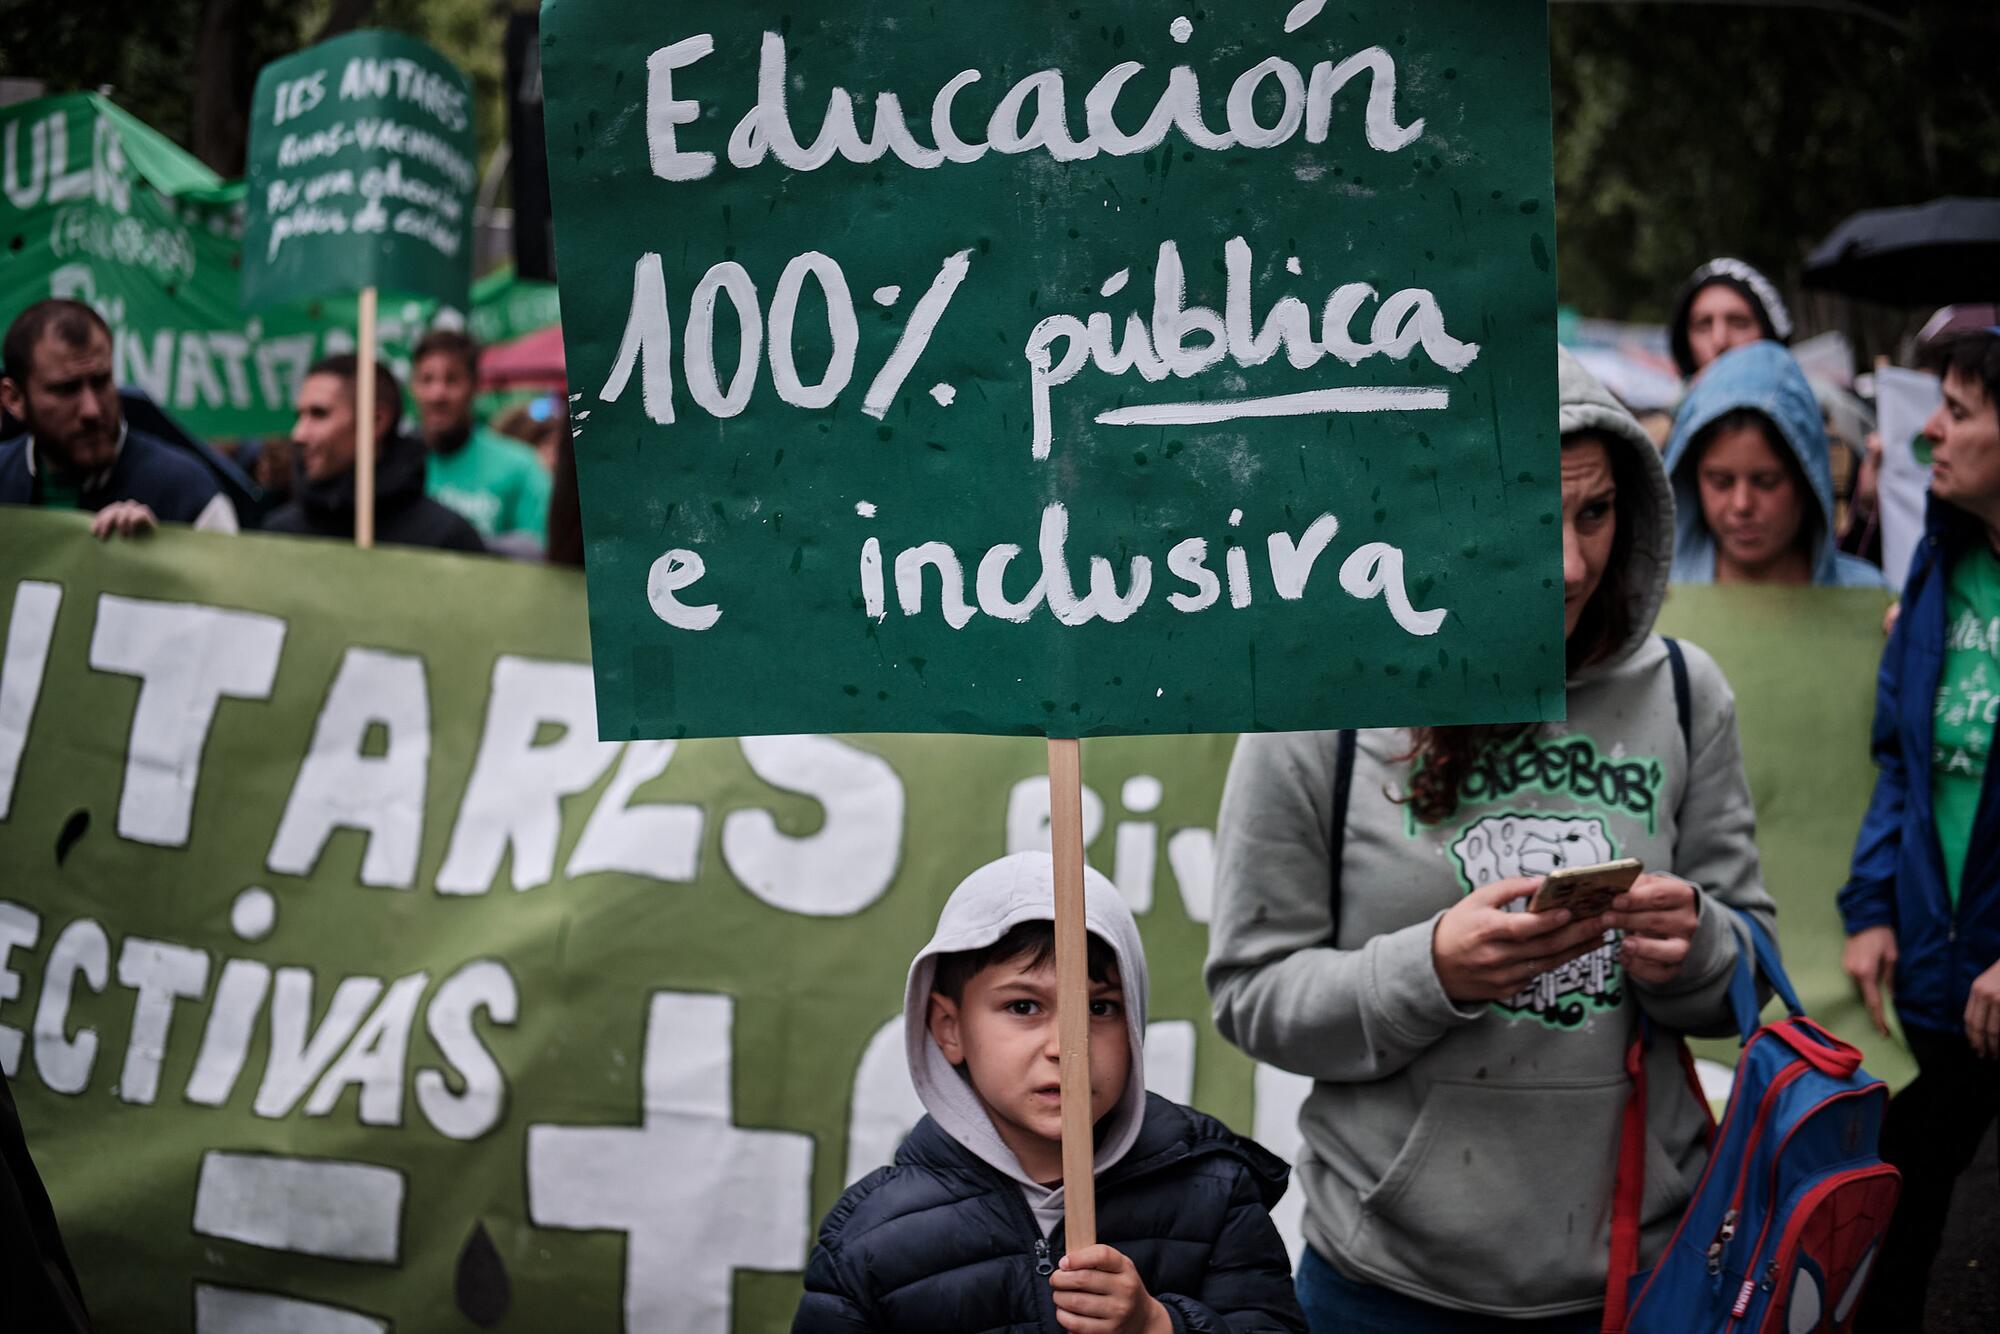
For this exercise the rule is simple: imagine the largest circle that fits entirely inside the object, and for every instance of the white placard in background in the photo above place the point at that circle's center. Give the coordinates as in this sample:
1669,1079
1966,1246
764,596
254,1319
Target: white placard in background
1904,400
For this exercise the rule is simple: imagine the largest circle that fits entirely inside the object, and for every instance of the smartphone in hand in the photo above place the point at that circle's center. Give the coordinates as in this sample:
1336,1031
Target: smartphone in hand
1587,891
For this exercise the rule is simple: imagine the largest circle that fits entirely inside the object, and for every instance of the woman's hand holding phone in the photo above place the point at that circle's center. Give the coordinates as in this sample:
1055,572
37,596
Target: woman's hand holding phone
1483,952
1658,916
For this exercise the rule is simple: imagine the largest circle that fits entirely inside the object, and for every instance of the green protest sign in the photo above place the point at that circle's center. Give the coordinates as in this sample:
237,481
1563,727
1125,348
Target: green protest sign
340,966
1072,371
361,173
105,210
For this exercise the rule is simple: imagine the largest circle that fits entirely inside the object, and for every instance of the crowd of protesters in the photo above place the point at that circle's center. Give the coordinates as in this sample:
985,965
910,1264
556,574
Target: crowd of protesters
1402,995
456,483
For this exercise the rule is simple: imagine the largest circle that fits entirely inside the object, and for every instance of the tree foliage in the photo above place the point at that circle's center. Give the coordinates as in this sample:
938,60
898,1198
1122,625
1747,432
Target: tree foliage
1682,130
1686,131
188,67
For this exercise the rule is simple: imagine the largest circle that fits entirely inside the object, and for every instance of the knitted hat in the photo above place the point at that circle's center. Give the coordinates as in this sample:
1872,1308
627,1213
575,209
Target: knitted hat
1747,283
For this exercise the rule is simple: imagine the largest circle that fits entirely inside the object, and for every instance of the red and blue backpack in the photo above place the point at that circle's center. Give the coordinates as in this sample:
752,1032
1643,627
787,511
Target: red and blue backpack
1781,1234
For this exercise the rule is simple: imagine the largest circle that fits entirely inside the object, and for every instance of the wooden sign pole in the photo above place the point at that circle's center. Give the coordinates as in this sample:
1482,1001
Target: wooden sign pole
364,423
1079,1148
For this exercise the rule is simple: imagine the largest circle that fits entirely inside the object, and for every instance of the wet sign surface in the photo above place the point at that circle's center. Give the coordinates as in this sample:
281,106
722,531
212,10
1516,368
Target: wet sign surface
1078,370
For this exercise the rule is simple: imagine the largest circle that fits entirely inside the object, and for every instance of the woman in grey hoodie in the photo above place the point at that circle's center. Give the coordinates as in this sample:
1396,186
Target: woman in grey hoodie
1461,1138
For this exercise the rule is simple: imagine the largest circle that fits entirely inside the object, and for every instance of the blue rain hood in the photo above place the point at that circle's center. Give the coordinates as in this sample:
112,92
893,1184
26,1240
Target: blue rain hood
1762,377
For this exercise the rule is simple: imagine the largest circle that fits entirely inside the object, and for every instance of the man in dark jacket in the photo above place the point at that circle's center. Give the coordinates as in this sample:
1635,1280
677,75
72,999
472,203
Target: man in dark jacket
964,1232
1922,901
322,503
79,453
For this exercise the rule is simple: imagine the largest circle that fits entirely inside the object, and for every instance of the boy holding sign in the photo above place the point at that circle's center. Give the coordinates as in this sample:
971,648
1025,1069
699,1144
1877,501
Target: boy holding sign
963,1230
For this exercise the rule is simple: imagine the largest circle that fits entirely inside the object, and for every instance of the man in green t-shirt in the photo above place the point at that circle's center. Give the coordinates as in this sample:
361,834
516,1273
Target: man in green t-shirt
1922,901
497,483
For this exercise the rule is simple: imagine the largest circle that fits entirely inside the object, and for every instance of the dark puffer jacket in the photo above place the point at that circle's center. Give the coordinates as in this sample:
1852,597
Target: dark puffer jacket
941,1242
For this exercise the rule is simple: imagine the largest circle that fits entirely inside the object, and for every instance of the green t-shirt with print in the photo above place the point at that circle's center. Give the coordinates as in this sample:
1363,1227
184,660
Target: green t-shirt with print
496,482
1968,700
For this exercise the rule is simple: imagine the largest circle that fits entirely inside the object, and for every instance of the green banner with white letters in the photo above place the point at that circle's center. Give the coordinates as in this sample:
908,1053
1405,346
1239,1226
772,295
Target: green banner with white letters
1077,370
347,982
342,967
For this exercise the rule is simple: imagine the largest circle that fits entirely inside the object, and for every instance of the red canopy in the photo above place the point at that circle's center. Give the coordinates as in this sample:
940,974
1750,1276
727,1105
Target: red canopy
532,361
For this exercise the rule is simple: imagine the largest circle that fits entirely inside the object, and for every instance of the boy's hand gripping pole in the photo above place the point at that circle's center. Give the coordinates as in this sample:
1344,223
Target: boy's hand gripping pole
1079,1148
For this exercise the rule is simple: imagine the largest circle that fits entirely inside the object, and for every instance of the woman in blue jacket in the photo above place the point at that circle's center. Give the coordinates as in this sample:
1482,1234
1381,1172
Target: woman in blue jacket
1922,900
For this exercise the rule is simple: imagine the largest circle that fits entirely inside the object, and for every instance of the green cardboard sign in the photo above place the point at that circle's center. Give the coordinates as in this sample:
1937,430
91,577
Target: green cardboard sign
361,173
1075,370
340,967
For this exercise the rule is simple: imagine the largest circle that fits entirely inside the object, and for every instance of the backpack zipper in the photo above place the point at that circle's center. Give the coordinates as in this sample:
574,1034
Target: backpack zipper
1787,1245
1752,1283
1719,1136
1781,1081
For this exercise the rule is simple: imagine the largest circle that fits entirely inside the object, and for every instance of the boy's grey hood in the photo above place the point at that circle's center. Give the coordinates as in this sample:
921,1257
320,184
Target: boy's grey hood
1586,405
987,905
1764,378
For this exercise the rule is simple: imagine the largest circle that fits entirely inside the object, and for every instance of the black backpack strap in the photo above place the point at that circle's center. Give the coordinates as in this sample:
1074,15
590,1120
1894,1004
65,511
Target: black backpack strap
1683,702
1336,843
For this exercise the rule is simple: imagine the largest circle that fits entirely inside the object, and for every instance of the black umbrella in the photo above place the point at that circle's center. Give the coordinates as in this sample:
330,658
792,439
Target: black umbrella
1923,255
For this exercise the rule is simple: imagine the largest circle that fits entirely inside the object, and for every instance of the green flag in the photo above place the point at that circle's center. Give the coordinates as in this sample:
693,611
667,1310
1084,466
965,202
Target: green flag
506,305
